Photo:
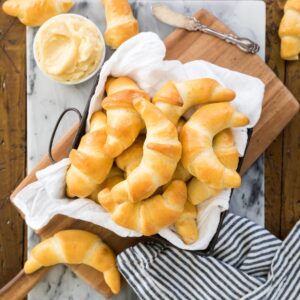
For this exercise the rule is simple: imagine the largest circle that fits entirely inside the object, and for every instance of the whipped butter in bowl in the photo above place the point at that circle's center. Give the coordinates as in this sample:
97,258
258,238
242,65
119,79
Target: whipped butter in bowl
69,48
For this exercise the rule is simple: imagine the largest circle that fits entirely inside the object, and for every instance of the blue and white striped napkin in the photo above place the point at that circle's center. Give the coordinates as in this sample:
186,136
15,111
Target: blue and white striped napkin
247,263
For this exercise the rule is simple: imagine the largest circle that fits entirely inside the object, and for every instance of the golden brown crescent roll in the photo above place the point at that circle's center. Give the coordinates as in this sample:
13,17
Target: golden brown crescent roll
198,191
123,122
76,247
175,98
225,148
89,163
186,224
226,151
161,153
289,31
198,156
36,12
181,173
121,25
131,157
148,216
115,172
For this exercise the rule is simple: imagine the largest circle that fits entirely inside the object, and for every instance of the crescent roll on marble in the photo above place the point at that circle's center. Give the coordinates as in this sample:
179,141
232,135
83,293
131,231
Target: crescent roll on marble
36,12
175,98
121,25
148,216
76,247
90,164
161,153
197,135
123,121
227,153
186,224
289,31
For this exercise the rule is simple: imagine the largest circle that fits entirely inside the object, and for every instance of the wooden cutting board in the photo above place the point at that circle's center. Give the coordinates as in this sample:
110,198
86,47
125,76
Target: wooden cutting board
279,107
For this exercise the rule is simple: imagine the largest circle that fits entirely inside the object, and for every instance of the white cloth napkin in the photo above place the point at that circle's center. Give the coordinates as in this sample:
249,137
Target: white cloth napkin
142,59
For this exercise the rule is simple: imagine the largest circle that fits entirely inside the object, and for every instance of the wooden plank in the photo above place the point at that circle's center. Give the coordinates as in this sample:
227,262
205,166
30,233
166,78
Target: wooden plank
291,158
273,155
12,142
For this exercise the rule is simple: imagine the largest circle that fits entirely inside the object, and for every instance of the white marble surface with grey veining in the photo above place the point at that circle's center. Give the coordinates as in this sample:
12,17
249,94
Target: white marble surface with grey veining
47,99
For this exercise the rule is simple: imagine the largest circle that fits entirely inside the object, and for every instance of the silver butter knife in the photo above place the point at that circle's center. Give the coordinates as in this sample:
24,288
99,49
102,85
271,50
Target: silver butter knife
168,16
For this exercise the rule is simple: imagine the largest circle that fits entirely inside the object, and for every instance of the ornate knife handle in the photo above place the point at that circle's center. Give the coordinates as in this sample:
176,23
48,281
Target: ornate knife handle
244,44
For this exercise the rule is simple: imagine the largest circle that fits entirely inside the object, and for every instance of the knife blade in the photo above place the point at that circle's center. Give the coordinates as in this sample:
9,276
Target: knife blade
166,15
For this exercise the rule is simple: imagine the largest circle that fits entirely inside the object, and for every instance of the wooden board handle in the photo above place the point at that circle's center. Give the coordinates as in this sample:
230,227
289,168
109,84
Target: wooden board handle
22,284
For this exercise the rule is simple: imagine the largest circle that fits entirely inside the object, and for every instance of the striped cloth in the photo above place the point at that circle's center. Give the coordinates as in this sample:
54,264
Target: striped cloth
247,263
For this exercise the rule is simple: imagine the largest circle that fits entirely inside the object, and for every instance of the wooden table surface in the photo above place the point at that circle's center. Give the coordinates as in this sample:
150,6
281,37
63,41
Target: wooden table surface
282,163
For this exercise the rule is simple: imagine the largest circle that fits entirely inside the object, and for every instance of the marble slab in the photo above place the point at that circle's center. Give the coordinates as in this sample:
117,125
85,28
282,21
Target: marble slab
47,99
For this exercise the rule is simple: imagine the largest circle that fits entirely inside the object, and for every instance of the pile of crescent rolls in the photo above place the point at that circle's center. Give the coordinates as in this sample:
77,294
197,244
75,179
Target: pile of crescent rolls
148,166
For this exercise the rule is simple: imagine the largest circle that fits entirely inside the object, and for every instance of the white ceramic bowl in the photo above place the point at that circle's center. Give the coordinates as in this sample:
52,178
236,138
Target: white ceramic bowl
88,76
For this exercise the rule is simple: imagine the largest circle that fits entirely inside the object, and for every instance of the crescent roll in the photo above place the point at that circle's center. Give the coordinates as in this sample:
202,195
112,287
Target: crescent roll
89,163
121,25
36,12
175,98
181,173
198,156
115,172
186,224
226,151
289,31
123,121
76,247
148,216
161,153
132,157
